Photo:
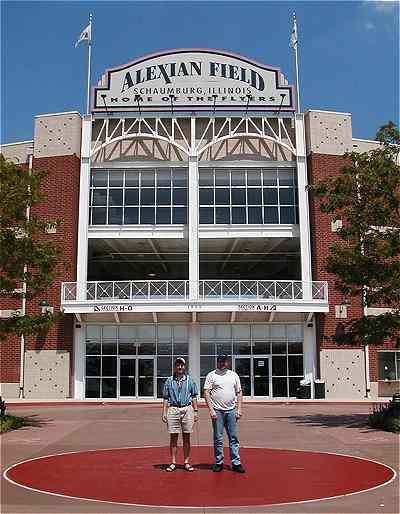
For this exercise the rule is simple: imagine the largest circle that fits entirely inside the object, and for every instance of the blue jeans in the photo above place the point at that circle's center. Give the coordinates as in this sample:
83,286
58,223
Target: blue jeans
225,419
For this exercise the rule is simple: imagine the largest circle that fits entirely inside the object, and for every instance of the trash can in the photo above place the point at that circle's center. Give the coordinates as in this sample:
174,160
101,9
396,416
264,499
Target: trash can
319,389
303,392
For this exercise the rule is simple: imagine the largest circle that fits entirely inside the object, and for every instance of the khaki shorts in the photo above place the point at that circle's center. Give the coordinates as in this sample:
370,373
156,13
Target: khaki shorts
180,419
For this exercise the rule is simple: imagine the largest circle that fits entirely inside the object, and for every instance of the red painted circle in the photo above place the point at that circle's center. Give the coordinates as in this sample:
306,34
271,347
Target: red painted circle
137,476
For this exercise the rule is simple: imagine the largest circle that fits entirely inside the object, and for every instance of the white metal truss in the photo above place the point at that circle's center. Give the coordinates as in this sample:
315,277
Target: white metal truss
195,135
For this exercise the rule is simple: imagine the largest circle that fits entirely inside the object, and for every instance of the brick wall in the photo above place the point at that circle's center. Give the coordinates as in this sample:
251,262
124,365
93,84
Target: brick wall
319,167
62,189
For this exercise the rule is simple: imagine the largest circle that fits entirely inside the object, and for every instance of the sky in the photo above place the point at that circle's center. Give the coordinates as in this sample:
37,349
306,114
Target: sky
348,51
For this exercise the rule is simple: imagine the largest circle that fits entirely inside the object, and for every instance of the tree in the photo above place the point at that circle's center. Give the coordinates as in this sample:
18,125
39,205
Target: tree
27,260
366,260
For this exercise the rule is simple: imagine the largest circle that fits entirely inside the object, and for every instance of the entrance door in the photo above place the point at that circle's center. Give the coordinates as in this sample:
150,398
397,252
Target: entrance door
261,376
243,369
136,377
255,374
145,386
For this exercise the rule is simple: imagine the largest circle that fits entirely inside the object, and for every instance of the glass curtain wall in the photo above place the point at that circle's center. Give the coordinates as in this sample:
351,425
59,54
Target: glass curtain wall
283,344
138,196
105,345
248,196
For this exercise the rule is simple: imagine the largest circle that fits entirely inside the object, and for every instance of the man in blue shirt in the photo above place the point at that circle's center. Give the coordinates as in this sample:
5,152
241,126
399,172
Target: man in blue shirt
180,411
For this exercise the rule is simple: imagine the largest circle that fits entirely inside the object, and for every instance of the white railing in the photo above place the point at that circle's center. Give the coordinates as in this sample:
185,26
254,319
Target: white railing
207,290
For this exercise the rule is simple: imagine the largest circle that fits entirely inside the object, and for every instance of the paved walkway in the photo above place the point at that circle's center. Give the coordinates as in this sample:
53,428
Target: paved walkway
335,428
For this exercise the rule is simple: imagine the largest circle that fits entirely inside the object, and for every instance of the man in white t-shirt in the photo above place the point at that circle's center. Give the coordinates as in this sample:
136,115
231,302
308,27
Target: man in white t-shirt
223,394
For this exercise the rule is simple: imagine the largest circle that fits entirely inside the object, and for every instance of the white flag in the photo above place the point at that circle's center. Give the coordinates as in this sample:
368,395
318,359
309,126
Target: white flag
86,34
293,37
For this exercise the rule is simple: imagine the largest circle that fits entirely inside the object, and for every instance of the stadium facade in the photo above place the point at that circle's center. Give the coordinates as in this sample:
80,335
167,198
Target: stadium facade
190,230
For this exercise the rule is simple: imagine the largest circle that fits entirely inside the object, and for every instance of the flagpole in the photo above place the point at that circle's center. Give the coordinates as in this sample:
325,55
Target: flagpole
89,64
297,61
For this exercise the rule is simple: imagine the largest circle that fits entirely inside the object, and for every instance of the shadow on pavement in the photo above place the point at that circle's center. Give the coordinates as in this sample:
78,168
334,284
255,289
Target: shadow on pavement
332,420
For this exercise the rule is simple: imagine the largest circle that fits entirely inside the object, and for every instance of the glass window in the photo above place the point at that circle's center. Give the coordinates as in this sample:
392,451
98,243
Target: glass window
279,387
207,364
109,388
147,196
164,348
164,366
222,178
131,196
99,178
207,215
222,215
271,215
279,347
254,196
287,215
286,178
387,366
238,178
99,215
116,178
93,366
163,216
93,348
295,347
239,215
260,332
206,196
223,332
179,196
115,197
286,196
279,366
99,197
109,366
180,332
131,178
294,384
181,349
164,332
294,332
242,348
109,349
115,215
261,348
93,332
238,196
179,178
164,177
110,332
222,196
206,178
147,178
270,196
270,177
146,332
295,365
163,196
241,332
278,332
207,348
147,215
253,178
127,348
179,215
255,215
92,389
131,215
146,348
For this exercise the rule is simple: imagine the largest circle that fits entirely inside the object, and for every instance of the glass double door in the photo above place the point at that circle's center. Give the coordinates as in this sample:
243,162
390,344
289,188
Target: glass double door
136,377
255,374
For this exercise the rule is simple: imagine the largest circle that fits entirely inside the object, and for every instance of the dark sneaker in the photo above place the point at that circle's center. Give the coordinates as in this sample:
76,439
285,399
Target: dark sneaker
238,468
217,468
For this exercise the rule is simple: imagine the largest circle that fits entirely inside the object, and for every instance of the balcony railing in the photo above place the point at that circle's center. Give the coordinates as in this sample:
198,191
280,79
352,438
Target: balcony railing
207,290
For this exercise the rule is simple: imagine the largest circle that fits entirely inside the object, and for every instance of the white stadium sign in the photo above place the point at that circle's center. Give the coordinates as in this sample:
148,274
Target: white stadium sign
188,80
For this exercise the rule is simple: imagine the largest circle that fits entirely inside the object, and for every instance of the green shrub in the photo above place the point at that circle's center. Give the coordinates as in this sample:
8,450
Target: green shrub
386,417
10,423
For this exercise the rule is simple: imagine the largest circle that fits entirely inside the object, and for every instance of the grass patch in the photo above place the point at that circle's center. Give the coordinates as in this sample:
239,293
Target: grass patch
11,423
386,417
